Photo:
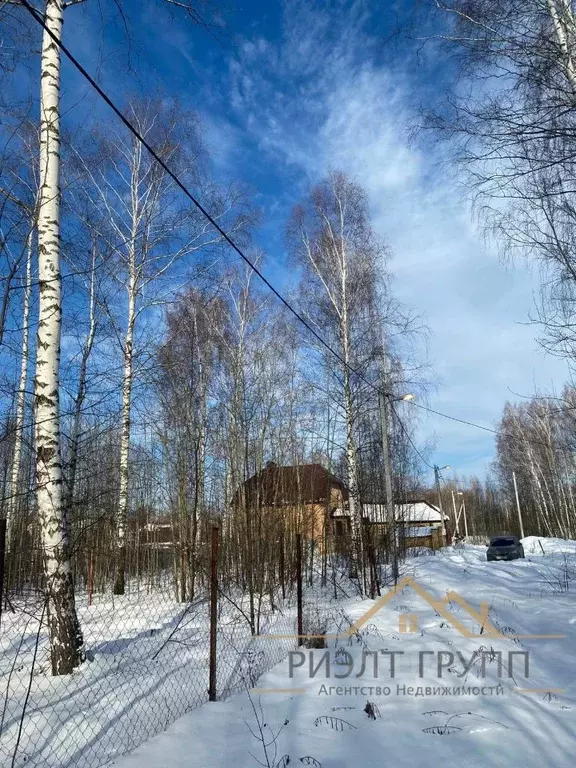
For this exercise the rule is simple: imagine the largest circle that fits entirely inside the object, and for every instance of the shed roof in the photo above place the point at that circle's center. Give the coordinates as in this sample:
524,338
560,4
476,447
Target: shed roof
411,512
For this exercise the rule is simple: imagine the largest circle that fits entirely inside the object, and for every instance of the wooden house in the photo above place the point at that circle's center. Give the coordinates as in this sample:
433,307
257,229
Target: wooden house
305,498
310,500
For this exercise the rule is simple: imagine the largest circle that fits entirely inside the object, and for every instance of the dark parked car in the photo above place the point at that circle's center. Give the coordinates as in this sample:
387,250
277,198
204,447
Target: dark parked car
504,548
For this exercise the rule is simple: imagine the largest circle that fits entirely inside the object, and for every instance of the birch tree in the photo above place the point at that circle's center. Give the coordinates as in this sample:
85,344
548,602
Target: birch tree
65,634
15,490
19,192
82,383
17,220
241,339
513,132
153,233
536,442
333,242
188,360
64,630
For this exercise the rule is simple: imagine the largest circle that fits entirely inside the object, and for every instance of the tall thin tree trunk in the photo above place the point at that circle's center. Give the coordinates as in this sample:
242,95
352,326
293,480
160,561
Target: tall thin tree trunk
354,506
15,491
64,628
81,392
119,586
564,24
200,493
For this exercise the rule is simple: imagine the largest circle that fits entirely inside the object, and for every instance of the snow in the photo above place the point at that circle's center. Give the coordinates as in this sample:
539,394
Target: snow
147,665
144,692
531,596
539,545
412,512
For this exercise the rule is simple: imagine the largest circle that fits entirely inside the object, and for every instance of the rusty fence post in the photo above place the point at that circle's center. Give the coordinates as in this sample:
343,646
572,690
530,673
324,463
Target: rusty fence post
213,612
299,587
91,579
2,558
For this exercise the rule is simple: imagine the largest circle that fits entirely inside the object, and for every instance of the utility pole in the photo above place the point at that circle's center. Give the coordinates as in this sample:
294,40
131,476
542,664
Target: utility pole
437,471
212,666
518,506
461,511
3,527
390,511
456,516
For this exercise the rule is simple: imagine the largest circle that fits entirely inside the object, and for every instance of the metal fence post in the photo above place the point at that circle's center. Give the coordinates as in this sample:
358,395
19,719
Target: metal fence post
299,587
91,579
213,612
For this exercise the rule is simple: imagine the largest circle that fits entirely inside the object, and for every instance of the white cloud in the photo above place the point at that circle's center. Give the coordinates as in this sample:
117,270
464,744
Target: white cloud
323,99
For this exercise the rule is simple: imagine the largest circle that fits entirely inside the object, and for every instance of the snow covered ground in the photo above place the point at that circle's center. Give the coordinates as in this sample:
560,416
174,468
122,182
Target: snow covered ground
450,703
147,664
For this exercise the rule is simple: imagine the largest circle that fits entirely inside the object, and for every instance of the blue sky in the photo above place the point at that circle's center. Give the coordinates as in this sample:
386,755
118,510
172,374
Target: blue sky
294,89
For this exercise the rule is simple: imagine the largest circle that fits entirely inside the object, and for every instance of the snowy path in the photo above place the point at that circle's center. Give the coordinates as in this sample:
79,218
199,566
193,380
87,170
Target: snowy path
464,721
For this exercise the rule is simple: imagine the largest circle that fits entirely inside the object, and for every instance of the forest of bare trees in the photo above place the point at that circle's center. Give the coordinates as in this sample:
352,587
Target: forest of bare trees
508,119
147,372
510,123
150,377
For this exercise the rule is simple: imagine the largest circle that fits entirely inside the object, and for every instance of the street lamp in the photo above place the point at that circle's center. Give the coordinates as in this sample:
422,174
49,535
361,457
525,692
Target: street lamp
402,398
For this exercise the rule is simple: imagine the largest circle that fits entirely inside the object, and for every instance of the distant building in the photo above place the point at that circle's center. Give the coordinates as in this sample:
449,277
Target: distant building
418,523
304,498
314,502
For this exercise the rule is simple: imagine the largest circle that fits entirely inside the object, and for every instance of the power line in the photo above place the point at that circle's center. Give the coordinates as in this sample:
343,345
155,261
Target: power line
407,433
519,438
134,131
454,418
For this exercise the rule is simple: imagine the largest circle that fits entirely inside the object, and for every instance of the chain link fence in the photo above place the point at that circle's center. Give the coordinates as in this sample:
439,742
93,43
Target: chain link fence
168,645
147,663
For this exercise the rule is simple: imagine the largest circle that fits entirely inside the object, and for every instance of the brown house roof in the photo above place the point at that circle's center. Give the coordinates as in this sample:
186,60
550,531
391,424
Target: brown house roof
305,484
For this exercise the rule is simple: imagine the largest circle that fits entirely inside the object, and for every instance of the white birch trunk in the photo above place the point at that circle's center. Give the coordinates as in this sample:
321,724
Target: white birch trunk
200,501
64,629
135,212
15,472
119,586
354,506
564,27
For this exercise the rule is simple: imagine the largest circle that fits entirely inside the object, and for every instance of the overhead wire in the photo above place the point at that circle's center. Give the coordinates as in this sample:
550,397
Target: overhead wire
299,317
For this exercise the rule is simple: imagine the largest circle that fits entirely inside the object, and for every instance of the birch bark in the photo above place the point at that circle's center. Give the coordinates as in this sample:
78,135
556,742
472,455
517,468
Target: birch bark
119,585
64,628
15,471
